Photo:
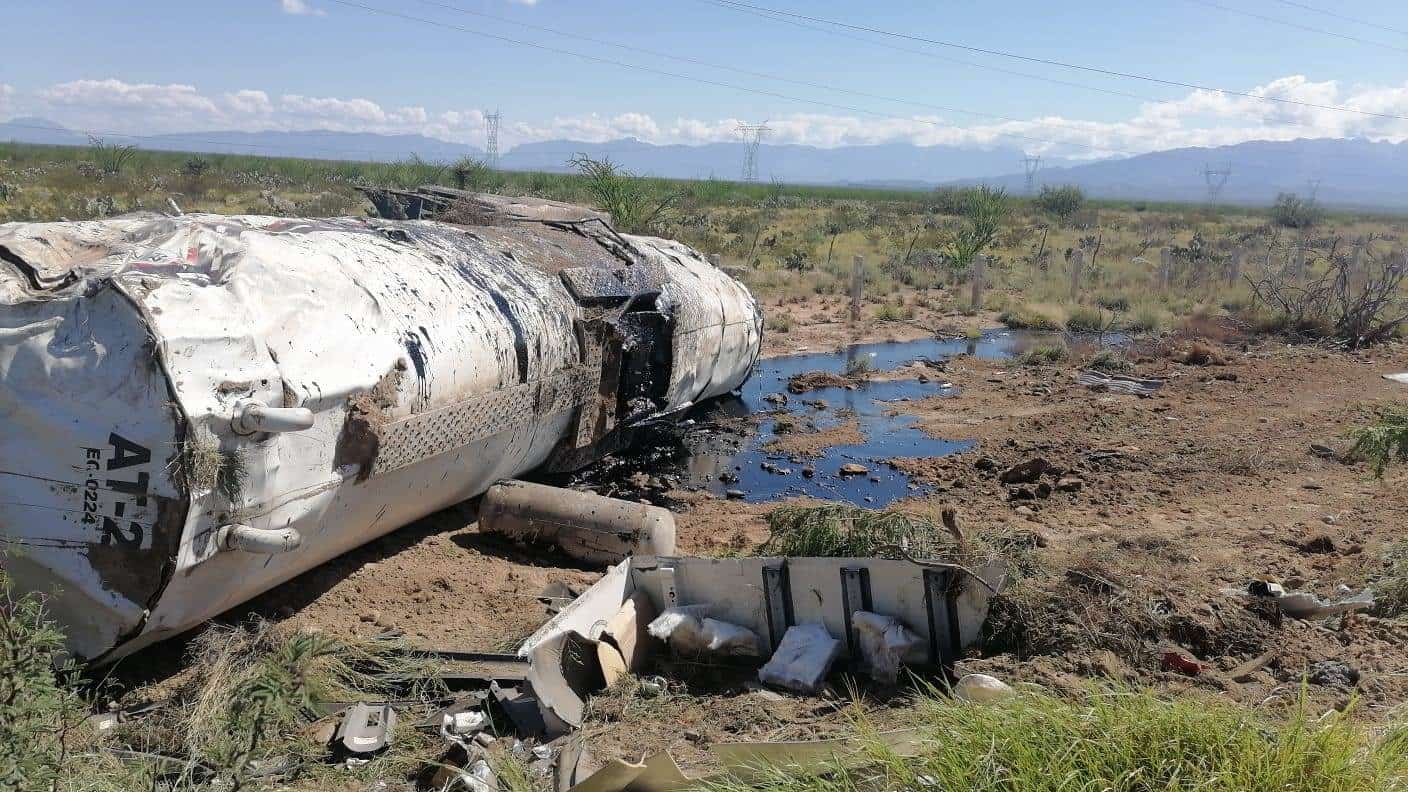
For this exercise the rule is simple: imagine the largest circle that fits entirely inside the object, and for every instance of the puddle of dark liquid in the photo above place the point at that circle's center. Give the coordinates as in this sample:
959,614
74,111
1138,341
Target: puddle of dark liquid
711,450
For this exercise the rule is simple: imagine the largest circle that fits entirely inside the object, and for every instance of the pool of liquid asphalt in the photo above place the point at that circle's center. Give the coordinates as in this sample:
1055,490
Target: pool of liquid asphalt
710,451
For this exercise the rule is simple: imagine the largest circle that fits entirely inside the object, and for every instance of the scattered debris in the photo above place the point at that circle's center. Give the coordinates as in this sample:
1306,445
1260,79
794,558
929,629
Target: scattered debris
1118,383
688,630
1305,605
1174,660
366,728
802,660
584,525
980,688
1247,670
885,644
1027,472
853,469
732,604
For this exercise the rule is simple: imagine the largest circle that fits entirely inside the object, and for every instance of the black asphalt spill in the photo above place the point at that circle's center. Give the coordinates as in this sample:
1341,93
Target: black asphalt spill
715,449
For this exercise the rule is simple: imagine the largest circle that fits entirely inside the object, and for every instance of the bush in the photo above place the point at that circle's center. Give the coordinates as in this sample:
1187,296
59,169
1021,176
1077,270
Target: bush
1085,319
1110,361
1292,211
1382,442
1113,302
1043,354
1063,202
1145,319
779,323
1023,317
39,710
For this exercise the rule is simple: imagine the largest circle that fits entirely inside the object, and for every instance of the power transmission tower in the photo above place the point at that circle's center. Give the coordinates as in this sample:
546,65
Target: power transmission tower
491,138
752,137
1216,179
1031,163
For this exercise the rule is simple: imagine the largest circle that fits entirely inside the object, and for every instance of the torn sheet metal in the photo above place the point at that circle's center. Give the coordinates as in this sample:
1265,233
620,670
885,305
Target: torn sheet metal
423,362
943,606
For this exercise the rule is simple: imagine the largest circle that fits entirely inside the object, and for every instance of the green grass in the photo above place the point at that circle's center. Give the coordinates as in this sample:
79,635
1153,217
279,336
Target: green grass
840,530
1106,740
1109,361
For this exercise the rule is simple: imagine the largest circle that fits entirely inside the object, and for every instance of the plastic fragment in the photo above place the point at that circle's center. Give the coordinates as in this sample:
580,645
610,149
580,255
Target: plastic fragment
803,658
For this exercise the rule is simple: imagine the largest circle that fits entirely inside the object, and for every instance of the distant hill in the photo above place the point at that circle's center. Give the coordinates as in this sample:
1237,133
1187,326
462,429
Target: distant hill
1349,173
28,129
889,163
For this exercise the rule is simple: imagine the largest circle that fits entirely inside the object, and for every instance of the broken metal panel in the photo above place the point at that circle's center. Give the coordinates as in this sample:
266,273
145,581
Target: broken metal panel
758,593
430,358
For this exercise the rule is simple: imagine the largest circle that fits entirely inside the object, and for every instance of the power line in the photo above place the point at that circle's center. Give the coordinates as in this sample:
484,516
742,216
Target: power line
1297,25
1030,165
705,80
1062,64
1344,17
752,136
805,83
491,138
1216,179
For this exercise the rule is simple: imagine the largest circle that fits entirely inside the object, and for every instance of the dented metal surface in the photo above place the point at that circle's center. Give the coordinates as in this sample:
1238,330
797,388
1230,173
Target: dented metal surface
324,381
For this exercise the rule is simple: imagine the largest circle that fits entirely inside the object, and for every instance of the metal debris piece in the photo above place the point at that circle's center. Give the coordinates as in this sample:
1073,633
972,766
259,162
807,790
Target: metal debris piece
521,707
366,728
326,379
944,605
584,525
1118,383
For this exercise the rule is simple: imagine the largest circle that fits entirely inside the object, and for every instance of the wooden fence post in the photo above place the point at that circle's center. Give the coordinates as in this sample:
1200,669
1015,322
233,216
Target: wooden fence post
1077,264
979,272
857,286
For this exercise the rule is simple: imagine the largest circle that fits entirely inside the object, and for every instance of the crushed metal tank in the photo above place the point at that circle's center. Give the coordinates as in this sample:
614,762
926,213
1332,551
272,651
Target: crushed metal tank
194,409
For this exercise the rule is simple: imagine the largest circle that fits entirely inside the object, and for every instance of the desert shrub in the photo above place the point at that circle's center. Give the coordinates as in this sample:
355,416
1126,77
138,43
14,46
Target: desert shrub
1382,442
1113,302
859,367
1110,361
632,205
1024,317
1085,319
1391,589
1043,354
40,712
1063,202
1292,211
1144,319
779,323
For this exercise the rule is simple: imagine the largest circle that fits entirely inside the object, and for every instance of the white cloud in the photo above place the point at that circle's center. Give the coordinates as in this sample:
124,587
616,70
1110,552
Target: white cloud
1199,118
524,2
300,8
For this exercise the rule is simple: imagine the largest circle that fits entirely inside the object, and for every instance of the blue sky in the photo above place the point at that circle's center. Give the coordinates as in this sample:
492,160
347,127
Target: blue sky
165,66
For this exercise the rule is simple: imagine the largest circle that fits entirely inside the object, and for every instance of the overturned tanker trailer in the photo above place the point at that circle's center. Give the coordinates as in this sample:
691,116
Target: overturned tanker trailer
194,409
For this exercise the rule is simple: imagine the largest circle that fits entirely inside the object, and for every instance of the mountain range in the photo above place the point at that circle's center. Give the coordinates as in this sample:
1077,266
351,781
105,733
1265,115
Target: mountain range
1344,172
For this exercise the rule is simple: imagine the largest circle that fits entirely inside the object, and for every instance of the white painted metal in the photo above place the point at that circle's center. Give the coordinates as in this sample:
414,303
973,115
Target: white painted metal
131,346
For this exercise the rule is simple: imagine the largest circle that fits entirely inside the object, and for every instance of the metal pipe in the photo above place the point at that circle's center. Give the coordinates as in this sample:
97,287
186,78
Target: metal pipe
584,525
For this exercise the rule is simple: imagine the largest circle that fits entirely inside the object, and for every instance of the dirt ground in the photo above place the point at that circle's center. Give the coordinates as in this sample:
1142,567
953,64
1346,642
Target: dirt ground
1183,499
